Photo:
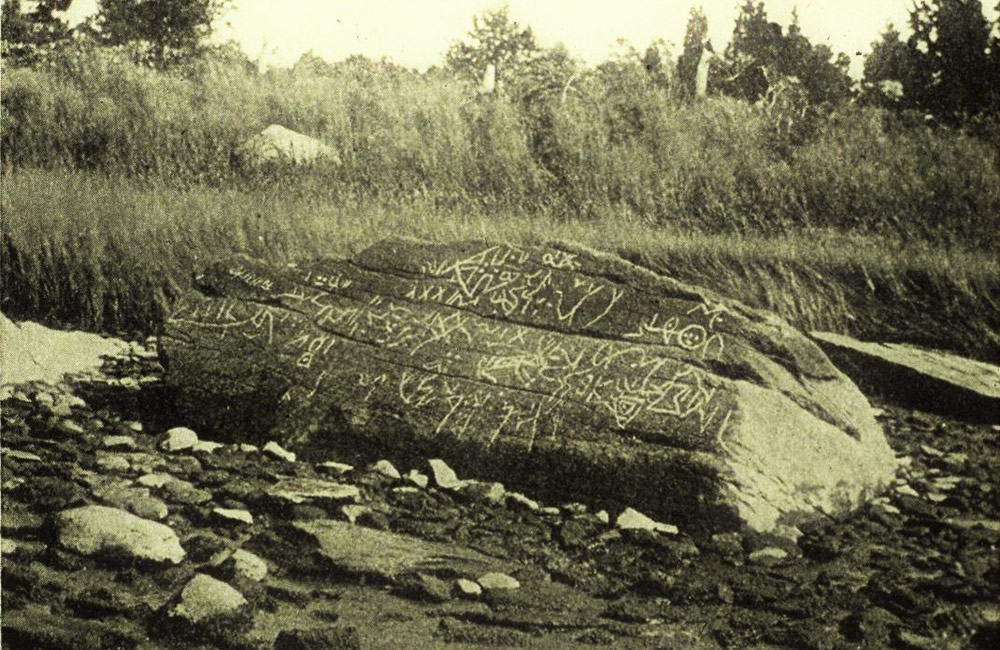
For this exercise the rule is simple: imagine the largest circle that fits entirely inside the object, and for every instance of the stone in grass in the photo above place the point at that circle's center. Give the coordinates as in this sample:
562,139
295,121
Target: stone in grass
210,607
113,463
768,555
497,580
518,501
480,491
233,516
205,447
94,530
154,480
244,564
444,476
386,469
467,589
301,490
631,519
331,638
335,468
274,450
178,439
118,442
417,478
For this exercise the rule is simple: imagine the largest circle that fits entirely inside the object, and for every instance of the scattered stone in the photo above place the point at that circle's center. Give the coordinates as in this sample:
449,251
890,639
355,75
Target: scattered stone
113,463
185,465
245,564
118,442
602,516
768,555
331,638
277,145
517,500
204,598
352,511
633,519
496,580
386,469
136,500
232,515
25,456
931,451
418,478
575,508
91,530
481,491
274,450
155,480
69,427
549,511
185,493
247,448
301,490
467,589
134,425
444,476
206,447
335,468
350,549
906,489
178,439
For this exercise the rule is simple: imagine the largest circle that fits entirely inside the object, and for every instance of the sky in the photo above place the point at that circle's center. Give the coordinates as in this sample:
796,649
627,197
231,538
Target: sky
417,33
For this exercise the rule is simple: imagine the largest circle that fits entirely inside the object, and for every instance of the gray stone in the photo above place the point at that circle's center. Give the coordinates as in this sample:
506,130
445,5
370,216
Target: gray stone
925,379
468,589
518,501
247,565
205,447
335,468
113,463
767,555
275,450
301,490
683,403
24,456
444,476
279,145
178,439
90,530
204,598
69,427
633,519
497,580
155,480
419,479
233,516
118,442
386,469
350,548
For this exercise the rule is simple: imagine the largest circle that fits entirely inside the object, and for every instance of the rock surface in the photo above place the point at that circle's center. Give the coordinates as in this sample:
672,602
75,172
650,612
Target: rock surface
277,144
93,529
553,368
931,380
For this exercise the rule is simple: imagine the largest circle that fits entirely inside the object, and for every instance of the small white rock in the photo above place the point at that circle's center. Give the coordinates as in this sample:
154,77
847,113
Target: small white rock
247,448
247,565
113,463
178,439
275,450
154,480
468,589
602,516
417,478
906,490
234,515
496,580
767,555
16,454
118,442
334,467
386,469
633,519
444,476
518,500
206,446
91,529
205,597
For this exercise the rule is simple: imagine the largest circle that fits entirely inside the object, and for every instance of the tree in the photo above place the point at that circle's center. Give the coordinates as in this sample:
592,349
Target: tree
950,45
888,71
493,39
22,33
695,38
171,28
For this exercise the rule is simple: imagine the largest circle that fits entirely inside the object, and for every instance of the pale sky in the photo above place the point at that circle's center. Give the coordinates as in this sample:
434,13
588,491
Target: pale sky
416,33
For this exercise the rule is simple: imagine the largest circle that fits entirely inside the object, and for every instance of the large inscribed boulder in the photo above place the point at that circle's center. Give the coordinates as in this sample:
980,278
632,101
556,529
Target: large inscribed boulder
278,145
555,368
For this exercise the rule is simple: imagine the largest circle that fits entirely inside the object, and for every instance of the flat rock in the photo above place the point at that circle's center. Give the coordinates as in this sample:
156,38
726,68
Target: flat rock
496,580
246,565
204,598
233,516
91,530
350,548
553,368
301,490
178,439
631,519
274,450
928,380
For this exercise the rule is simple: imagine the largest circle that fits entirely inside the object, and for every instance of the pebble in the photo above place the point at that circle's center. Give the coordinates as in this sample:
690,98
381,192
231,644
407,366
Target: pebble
518,500
205,597
419,479
206,446
386,469
113,463
334,467
633,519
232,515
767,555
496,580
89,530
118,442
468,589
275,450
178,439
69,427
246,565
444,476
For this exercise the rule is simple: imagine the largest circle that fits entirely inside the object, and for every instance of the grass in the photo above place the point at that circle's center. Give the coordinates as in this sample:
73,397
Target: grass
110,253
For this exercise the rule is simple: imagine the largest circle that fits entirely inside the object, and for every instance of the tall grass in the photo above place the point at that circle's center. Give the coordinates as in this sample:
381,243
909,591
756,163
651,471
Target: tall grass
617,146
110,253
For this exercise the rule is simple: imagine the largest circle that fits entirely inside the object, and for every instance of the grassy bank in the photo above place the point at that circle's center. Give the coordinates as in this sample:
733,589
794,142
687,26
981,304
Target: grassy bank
110,253
616,145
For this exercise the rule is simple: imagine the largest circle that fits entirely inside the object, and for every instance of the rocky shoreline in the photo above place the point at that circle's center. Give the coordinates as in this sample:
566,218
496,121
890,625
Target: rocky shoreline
119,532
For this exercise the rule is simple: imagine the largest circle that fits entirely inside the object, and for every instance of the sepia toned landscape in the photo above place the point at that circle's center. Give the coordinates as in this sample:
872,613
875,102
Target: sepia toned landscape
695,346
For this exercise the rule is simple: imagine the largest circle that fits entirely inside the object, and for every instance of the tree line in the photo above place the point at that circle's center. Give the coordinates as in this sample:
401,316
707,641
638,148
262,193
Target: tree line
948,67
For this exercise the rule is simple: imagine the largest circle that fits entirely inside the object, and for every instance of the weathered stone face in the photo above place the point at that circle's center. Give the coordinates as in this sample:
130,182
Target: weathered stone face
554,367
278,145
